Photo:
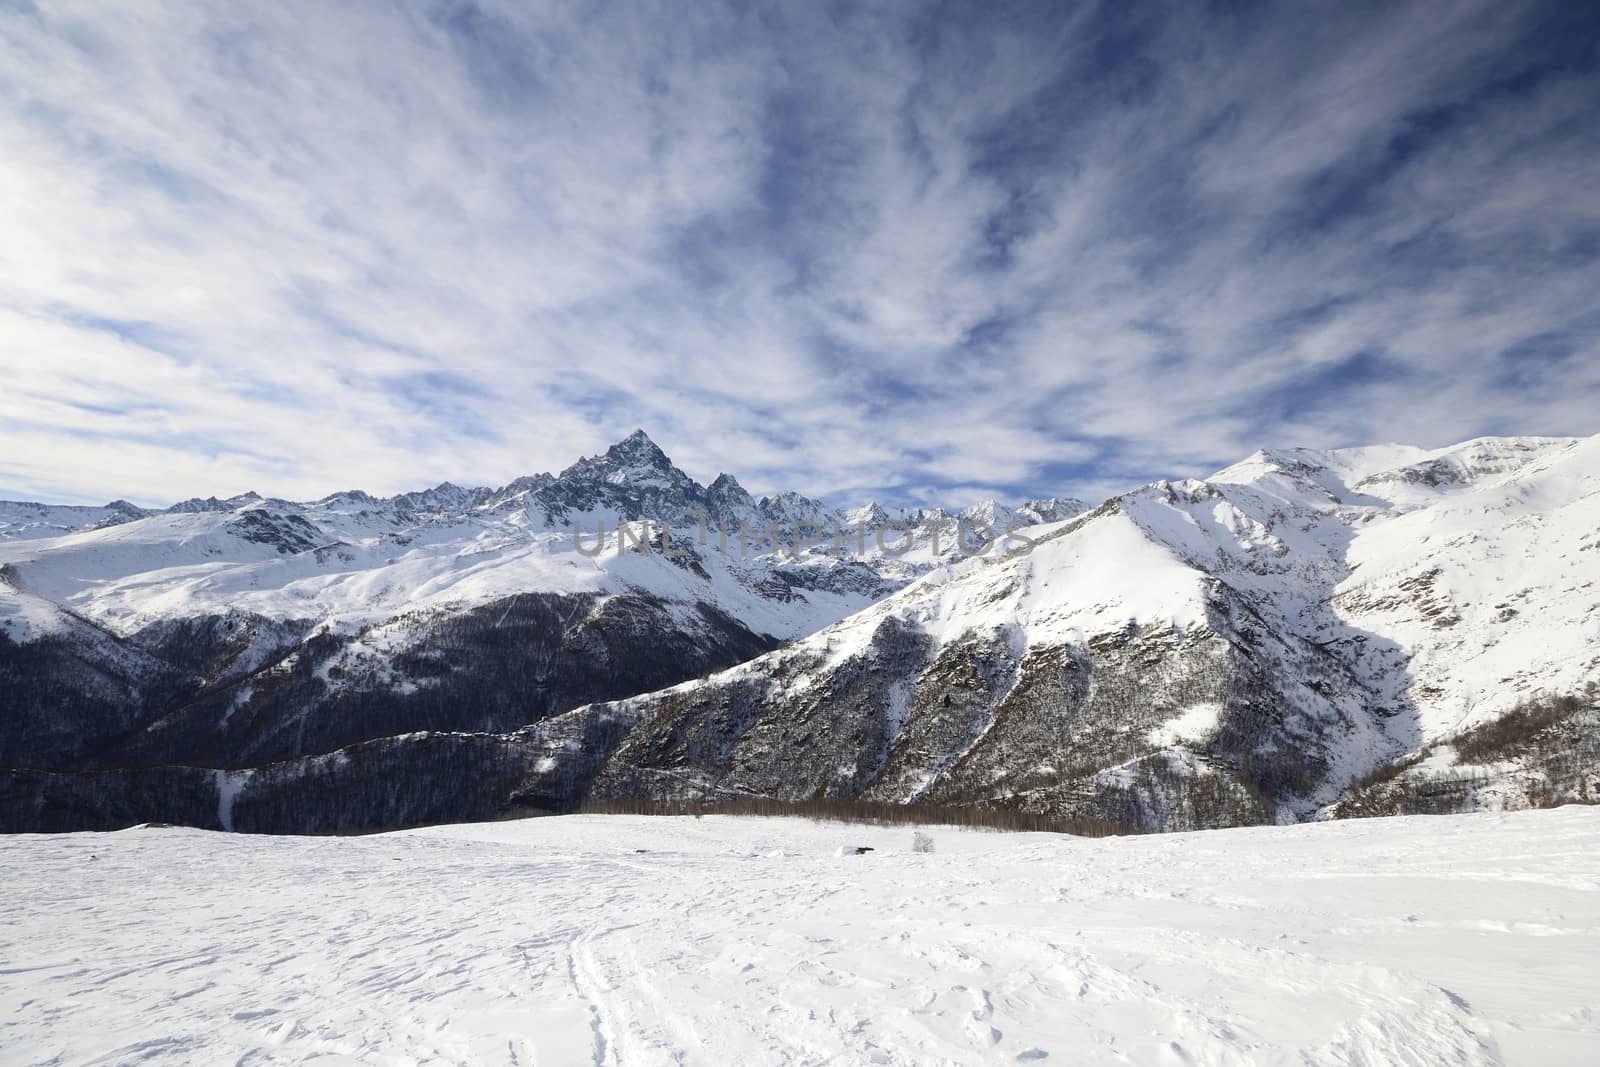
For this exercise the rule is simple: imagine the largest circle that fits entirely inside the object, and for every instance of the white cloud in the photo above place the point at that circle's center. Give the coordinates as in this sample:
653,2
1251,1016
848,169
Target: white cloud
302,247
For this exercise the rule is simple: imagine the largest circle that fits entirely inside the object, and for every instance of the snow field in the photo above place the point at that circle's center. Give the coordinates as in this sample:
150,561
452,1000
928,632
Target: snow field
632,940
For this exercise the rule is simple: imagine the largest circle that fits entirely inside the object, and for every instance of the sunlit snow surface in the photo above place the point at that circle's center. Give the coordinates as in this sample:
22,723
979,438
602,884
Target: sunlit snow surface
1471,939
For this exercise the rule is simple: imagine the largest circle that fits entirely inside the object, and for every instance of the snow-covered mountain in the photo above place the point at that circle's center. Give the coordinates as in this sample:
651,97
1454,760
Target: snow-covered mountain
352,562
232,632
1303,633
1240,648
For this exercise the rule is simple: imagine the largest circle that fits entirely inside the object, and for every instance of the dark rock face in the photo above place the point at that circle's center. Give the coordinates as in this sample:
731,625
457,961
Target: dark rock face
96,728
1059,730
288,533
1542,753
633,477
726,501
848,577
748,735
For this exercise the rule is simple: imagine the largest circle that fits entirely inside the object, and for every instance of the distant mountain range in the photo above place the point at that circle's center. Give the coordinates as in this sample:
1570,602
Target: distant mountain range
1303,634
631,480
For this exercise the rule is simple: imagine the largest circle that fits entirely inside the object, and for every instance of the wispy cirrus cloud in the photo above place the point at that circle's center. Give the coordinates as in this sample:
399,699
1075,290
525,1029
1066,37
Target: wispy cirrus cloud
895,250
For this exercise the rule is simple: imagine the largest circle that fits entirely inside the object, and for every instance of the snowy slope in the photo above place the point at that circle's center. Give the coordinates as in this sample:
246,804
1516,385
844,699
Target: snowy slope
621,940
357,574
1494,590
21,519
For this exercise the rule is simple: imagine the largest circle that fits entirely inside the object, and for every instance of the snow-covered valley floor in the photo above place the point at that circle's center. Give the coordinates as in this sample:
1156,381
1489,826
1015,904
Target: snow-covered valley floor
606,939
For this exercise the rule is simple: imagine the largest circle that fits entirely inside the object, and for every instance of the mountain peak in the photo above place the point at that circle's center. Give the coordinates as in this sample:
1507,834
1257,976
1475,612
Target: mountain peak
725,489
637,447
634,454
726,499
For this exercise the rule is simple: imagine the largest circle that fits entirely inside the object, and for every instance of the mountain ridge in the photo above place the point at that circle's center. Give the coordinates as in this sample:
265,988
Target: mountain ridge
632,479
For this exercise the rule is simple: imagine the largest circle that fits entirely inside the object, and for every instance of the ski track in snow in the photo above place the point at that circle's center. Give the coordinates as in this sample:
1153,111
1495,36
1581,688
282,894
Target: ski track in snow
1467,940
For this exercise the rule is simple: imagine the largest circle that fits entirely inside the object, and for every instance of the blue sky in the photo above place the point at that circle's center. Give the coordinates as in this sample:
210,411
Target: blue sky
914,251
